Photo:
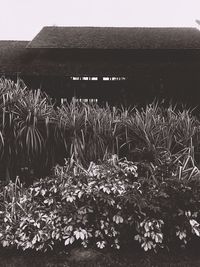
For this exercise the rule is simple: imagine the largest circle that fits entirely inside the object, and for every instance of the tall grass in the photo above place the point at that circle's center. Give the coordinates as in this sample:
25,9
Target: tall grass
90,132
36,135
25,116
155,128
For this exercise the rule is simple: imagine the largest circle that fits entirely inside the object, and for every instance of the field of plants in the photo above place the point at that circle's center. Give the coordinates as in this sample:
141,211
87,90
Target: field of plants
83,175
35,135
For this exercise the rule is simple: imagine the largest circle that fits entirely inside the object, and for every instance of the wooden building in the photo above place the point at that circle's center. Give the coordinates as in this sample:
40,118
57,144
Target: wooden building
115,65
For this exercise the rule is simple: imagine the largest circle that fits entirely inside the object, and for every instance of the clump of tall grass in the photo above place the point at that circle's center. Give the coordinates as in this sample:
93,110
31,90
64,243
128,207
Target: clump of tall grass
90,132
25,117
156,128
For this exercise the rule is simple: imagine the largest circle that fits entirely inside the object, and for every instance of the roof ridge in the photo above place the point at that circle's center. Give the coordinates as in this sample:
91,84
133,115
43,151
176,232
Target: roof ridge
121,27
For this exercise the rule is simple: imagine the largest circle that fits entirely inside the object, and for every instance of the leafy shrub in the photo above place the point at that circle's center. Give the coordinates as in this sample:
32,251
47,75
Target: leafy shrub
66,208
101,206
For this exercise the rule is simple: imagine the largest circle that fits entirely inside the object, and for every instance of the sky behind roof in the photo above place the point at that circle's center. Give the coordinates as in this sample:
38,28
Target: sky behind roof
23,19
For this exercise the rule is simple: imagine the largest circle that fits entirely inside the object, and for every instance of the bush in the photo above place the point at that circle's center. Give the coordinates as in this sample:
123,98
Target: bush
107,205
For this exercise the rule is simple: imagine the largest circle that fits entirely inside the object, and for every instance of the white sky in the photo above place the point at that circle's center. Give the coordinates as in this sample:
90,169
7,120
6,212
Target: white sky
23,19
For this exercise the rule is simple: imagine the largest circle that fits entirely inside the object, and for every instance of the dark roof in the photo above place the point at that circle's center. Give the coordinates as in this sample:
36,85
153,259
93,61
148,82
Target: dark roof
116,38
139,45
12,54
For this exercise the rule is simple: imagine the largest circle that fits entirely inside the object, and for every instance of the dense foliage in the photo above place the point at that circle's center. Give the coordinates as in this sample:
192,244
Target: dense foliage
35,135
111,204
150,198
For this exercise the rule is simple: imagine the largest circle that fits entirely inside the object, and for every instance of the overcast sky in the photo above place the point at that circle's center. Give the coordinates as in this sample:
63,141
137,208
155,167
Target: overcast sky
23,19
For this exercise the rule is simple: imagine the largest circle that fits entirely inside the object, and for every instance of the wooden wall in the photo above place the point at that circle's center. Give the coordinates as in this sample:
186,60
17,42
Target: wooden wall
173,75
